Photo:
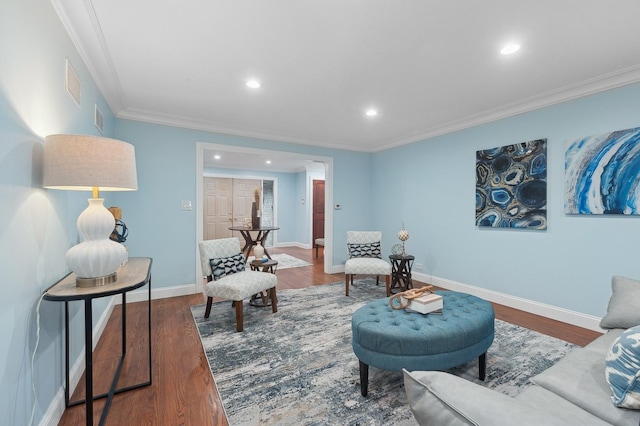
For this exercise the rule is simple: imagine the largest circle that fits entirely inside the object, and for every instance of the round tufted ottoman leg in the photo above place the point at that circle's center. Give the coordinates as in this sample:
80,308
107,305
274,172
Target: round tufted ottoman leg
364,378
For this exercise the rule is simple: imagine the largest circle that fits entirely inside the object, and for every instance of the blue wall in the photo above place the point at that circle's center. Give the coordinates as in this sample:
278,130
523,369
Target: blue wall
37,225
166,157
430,185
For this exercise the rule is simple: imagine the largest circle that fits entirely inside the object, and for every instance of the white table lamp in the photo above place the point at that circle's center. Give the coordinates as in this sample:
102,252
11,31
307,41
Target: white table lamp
91,163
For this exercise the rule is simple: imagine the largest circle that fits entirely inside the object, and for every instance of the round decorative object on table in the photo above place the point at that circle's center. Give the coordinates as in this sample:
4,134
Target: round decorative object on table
396,249
262,300
395,339
403,235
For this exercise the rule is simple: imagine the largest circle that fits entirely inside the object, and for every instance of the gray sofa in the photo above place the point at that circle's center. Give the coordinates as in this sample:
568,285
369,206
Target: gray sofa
575,391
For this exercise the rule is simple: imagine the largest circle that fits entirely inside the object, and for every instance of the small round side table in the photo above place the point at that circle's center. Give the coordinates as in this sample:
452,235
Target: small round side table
262,300
401,271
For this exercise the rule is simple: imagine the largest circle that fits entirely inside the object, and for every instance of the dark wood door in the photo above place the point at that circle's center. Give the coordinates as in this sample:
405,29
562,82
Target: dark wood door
318,210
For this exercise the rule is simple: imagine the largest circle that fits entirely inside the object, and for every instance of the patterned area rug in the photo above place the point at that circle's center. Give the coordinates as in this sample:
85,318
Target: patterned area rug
296,367
285,261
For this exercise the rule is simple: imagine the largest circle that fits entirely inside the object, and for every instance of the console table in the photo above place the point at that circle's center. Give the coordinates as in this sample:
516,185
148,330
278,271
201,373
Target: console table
250,242
135,274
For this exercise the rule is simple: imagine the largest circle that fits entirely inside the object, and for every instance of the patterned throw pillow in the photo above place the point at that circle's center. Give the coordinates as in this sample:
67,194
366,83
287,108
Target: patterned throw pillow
226,265
622,369
365,250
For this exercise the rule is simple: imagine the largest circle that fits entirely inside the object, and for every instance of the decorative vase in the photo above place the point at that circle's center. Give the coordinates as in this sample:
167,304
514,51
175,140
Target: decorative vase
258,251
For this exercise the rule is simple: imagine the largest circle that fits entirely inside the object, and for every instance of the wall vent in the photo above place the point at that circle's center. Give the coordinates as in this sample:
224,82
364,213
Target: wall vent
99,120
72,83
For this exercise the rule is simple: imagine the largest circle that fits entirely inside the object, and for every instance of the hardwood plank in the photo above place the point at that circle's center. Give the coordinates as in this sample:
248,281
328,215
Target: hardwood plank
183,390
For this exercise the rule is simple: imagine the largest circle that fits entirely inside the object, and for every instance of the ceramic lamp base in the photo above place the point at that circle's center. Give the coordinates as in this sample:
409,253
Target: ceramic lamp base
97,257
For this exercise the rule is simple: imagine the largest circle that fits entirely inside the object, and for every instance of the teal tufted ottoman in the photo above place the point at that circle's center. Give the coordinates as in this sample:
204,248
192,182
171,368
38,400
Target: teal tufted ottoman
395,339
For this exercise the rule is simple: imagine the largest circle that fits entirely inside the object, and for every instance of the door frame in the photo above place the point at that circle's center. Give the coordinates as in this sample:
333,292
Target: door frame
328,224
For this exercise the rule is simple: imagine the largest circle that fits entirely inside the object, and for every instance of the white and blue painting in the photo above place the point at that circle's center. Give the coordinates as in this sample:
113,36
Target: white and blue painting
511,186
602,174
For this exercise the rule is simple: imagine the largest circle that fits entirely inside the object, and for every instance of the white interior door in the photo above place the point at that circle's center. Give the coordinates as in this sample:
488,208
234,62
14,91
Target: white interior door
218,207
243,198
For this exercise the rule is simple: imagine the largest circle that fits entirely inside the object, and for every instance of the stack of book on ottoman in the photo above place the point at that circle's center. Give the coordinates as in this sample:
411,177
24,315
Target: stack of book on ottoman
427,303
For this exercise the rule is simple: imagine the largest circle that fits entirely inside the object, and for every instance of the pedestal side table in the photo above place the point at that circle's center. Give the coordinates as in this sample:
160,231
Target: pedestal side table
262,300
250,241
135,274
401,271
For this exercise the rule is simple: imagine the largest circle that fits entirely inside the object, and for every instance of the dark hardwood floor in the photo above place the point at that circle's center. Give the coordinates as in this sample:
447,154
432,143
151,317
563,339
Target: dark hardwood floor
183,390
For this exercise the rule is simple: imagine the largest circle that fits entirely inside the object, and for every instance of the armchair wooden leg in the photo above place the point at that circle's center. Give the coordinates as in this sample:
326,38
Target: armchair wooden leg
388,283
207,311
346,283
239,315
274,300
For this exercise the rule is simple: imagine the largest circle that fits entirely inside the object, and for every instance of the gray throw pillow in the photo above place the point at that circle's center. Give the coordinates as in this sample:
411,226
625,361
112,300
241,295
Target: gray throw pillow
624,305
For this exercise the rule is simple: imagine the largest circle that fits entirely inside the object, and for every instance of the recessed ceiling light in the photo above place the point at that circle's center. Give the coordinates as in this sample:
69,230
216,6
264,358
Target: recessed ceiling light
268,161
510,48
254,84
371,113
217,157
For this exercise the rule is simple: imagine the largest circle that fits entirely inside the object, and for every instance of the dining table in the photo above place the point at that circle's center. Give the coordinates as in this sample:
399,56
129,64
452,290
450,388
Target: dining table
253,236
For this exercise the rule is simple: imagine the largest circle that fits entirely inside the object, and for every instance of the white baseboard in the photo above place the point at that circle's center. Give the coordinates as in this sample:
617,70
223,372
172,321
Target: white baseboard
548,311
337,269
294,244
142,294
553,312
55,411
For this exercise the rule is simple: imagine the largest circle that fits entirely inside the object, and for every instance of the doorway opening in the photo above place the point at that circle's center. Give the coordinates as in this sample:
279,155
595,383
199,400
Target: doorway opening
242,156
228,201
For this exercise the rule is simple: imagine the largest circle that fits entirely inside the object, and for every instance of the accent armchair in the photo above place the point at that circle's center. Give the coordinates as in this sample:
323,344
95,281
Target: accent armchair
365,252
223,264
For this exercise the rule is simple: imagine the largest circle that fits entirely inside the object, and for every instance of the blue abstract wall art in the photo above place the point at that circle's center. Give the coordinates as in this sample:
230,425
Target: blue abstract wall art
602,174
511,186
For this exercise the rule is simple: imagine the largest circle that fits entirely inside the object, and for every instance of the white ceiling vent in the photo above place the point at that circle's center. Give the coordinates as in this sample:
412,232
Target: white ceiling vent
99,120
72,83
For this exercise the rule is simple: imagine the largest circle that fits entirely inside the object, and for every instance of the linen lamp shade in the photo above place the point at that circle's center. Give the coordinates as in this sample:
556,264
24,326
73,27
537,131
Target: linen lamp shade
79,162
91,163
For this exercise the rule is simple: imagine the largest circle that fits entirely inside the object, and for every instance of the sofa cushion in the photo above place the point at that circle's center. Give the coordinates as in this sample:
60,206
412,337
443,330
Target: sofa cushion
365,250
579,378
442,399
226,265
551,404
603,343
622,369
624,305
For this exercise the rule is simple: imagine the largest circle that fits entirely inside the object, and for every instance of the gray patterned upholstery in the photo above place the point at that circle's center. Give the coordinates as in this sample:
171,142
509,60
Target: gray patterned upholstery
241,285
238,286
366,265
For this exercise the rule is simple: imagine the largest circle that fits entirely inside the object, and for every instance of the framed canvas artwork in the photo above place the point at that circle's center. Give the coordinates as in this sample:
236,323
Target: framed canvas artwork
511,186
602,174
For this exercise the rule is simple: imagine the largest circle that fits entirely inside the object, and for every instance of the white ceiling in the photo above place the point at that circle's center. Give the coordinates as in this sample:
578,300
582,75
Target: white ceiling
259,160
428,66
